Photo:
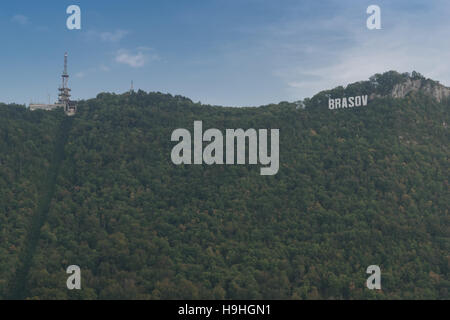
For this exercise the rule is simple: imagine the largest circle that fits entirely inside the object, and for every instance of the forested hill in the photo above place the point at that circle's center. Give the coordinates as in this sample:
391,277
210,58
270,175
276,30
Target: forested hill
389,84
356,187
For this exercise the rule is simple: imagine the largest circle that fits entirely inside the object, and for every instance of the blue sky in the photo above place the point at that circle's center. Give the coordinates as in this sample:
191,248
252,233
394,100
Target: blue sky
223,52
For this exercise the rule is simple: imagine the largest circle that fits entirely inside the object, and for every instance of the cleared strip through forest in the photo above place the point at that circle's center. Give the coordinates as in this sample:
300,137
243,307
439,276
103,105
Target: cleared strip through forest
18,287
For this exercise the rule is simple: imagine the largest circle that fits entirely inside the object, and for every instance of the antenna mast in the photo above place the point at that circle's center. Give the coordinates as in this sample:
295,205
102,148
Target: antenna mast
64,91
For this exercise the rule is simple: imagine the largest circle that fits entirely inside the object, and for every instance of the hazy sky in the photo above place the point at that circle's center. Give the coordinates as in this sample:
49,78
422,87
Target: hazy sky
225,52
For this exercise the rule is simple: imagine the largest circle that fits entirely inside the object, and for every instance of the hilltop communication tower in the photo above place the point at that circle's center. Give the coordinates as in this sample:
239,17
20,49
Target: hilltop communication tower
70,107
64,91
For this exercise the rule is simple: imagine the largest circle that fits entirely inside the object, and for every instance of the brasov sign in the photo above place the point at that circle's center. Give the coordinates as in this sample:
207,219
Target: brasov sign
350,102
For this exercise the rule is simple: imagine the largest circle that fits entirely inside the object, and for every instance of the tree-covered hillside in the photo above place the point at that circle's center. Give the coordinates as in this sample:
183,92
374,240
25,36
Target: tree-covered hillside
27,140
356,187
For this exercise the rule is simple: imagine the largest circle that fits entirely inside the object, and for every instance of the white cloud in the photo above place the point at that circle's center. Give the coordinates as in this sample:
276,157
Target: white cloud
136,59
84,73
133,60
80,75
20,19
107,36
115,36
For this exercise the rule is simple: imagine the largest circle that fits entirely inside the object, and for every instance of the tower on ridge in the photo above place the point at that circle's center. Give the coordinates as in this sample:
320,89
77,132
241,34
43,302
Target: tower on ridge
64,92
70,107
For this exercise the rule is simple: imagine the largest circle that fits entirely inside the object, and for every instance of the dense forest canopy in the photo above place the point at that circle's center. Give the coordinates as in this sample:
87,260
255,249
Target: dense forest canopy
356,187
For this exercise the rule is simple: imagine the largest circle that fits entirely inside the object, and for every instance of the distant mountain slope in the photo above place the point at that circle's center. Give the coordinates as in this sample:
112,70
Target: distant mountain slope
355,188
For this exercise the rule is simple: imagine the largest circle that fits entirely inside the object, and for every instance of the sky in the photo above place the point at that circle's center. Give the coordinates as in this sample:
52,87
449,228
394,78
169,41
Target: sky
219,52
